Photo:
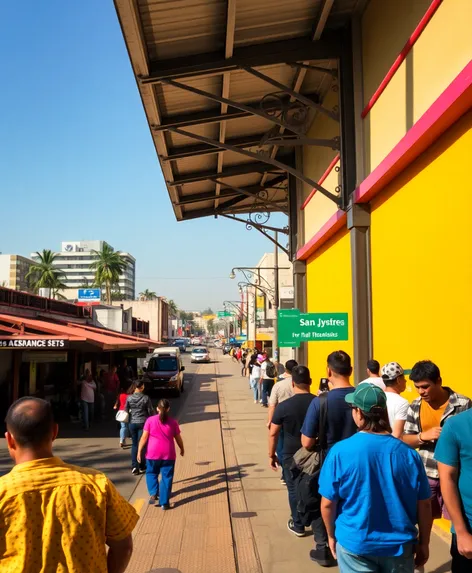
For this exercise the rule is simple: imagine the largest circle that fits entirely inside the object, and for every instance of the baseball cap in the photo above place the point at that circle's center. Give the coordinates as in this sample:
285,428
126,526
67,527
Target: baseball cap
367,396
391,371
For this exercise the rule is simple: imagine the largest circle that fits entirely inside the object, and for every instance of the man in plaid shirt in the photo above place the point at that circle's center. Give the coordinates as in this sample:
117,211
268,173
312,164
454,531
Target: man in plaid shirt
425,420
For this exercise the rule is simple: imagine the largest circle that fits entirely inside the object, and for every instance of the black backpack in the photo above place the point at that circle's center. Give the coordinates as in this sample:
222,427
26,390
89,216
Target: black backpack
271,370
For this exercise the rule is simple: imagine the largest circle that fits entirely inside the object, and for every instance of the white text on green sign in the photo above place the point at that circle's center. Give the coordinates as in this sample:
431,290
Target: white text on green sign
296,327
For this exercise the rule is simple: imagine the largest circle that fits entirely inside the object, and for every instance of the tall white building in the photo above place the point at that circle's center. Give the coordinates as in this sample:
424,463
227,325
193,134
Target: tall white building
74,261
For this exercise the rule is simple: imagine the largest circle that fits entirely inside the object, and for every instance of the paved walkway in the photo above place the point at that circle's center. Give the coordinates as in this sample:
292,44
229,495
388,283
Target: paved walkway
229,509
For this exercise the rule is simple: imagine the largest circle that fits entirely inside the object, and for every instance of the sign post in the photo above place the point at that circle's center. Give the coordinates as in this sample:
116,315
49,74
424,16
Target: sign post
224,314
296,327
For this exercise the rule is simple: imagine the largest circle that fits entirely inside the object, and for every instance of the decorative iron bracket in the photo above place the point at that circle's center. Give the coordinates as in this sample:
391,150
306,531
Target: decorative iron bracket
298,65
262,228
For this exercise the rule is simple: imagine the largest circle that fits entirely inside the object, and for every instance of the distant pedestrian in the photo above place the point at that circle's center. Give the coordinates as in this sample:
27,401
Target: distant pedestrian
125,374
120,406
57,517
374,492
283,390
239,354
425,419
87,399
288,418
268,376
255,377
454,456
158,435
339,426
139,408
112,388
397,406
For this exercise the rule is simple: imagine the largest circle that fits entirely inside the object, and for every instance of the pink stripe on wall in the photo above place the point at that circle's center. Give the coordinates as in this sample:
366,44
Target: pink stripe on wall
331,166
330,228
402,55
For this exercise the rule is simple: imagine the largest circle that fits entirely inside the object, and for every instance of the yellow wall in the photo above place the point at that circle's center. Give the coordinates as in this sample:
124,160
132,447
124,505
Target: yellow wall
328,275
421,261
315,162
441,52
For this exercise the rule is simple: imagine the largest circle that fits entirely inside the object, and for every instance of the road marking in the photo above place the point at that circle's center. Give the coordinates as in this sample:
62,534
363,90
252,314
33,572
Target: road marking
138,505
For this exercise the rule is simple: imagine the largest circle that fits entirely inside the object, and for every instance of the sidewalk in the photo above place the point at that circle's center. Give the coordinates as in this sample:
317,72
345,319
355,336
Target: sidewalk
265,499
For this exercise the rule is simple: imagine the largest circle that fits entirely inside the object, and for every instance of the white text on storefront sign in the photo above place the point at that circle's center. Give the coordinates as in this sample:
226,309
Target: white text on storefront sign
46,343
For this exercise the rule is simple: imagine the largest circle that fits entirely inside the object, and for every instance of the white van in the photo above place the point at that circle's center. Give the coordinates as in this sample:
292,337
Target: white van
175,350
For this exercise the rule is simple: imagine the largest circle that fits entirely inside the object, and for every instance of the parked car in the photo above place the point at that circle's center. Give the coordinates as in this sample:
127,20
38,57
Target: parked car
200,354
164,372
181,344
227,347
196,341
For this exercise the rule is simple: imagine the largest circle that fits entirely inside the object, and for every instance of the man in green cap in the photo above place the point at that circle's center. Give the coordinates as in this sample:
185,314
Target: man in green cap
374,492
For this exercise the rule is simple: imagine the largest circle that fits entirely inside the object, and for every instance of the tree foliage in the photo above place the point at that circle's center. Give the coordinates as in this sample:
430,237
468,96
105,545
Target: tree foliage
44,274
108,267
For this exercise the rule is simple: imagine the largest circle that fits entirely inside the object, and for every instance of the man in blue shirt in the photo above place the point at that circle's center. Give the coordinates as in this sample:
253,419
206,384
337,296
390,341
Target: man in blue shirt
375,490
339,425
454,456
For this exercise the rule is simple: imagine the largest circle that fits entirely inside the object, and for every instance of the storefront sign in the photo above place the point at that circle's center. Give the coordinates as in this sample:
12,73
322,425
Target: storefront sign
223,313
296,327
35,343
43,357
89,295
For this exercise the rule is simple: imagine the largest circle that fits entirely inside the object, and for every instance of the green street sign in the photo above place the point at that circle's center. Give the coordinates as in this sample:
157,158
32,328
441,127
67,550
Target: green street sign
296,327
223,313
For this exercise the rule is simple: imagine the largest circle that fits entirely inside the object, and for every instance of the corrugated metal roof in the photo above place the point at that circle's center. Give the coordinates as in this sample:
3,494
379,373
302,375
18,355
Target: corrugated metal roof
204,45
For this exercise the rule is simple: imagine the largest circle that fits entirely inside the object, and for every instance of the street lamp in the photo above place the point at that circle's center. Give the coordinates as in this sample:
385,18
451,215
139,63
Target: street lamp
232,275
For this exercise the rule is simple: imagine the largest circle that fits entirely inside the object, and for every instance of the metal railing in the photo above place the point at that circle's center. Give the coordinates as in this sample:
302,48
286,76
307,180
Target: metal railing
17,298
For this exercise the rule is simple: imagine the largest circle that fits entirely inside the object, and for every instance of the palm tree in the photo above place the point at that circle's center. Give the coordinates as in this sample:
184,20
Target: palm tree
108,267
44,274
172,307
147,295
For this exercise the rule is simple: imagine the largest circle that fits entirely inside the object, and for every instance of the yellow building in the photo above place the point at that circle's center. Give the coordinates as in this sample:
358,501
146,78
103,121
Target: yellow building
13,271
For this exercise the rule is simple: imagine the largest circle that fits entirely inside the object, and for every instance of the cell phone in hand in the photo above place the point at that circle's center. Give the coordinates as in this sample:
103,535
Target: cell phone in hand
324,385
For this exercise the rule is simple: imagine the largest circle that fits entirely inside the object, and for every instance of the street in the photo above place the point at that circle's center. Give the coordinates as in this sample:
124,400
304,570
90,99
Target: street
99,448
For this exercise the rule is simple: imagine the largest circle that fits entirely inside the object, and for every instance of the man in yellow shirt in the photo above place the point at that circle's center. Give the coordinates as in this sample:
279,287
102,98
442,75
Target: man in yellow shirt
55,517
425,419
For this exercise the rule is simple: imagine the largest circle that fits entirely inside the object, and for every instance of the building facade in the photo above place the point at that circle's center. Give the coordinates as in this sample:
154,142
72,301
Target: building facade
74,260
13,271
155,311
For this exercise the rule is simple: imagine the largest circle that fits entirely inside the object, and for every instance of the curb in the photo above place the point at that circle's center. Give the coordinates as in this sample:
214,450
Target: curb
244,544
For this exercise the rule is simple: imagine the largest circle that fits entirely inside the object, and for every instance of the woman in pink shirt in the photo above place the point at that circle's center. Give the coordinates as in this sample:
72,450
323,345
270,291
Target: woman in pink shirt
159,434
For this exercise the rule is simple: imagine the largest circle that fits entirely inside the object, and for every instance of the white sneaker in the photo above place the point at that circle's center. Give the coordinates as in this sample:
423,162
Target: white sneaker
260,401
255,401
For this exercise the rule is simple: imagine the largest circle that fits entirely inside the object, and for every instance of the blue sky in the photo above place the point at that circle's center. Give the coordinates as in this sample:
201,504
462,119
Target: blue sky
77,159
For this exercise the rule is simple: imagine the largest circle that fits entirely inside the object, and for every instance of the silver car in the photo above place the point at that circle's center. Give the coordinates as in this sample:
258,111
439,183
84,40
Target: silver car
200,354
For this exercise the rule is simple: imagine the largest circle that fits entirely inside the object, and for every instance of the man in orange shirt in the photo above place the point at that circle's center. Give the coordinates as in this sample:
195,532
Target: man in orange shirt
56,517
425,419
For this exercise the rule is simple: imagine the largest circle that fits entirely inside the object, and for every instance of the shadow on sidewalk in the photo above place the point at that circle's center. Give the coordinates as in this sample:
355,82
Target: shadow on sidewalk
197,496
444,568
230,474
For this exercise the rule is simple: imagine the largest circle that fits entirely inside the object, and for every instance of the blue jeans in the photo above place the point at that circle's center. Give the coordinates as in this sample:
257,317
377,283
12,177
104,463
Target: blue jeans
280,450
164,489
254,383
124,431
88,409
350,563
136,431
267,385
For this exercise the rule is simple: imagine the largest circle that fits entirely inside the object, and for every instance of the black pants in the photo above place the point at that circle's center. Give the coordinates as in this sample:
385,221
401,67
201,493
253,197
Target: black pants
317,525
267,385
460,564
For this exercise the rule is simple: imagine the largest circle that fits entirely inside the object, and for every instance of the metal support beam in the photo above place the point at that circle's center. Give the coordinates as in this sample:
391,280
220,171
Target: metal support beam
242,106
296,95
322,19
253,224
233,171
260,200
184,151
269,160
299,287
293,216
277,52
348,131
358,223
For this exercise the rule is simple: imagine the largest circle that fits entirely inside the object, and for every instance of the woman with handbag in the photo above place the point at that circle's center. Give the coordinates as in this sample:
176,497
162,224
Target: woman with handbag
139,408
122,416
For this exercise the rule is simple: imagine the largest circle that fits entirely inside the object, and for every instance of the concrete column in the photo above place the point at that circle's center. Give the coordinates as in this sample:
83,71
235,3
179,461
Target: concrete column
358,223
300,294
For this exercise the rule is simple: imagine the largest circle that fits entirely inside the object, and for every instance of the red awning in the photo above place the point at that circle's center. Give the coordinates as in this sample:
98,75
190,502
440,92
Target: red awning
27,328
148,341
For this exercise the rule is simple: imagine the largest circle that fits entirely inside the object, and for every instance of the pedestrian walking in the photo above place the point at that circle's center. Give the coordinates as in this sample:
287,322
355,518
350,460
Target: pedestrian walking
55,516
288,417
373,369
397,406
112,388
425,419
120,406
254,381
339,426
268,376
139,408
244,356
87,400
159,434
374,492
282,390
454,456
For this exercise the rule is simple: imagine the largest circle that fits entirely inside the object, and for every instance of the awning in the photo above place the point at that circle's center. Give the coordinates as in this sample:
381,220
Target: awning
229,90
15,329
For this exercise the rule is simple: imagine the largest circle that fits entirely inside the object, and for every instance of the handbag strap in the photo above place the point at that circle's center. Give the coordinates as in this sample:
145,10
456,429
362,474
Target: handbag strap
322,428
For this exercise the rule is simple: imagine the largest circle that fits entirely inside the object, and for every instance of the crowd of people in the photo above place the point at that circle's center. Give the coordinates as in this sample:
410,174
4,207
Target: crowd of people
367,471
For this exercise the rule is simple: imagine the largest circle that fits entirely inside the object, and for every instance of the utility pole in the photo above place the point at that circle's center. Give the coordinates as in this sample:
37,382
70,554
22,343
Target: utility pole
275,344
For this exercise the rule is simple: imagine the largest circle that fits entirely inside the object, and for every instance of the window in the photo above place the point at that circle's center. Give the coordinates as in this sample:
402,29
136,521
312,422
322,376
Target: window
163,364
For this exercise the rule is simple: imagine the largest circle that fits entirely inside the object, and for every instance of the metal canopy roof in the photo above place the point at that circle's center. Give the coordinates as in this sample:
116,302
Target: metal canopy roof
229,88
